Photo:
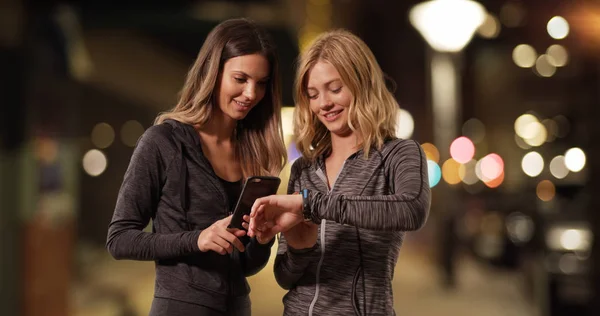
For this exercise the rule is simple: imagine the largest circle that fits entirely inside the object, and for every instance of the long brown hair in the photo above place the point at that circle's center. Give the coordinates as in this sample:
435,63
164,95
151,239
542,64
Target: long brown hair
372,112
259,137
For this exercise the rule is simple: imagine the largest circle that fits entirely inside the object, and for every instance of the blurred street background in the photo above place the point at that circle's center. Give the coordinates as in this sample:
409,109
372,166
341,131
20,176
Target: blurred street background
503,95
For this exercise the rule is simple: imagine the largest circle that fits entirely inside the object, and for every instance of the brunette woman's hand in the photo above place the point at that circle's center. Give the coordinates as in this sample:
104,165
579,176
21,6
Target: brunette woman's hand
220,239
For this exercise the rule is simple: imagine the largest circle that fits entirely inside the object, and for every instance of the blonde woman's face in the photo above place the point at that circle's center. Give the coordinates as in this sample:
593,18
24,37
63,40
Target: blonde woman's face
243,83
329,97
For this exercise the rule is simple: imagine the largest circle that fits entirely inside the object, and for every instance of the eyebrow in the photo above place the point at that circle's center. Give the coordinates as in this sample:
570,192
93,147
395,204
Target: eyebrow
247,75
325,84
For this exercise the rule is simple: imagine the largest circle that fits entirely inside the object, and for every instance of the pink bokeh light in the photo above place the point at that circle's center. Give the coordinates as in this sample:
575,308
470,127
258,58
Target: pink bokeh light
492,166
462,150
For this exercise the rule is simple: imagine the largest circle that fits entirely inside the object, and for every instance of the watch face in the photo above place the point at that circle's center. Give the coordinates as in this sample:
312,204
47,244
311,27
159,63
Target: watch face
305,206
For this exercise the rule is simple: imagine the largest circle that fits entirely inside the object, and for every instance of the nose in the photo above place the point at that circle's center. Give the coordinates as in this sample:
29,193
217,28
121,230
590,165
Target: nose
250,92
325,102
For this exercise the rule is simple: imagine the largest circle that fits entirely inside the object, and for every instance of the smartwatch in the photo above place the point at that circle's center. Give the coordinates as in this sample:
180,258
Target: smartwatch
306,211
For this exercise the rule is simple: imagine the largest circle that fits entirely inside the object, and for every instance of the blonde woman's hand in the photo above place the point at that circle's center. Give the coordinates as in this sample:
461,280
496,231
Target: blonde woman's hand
262,238
274,214
220,239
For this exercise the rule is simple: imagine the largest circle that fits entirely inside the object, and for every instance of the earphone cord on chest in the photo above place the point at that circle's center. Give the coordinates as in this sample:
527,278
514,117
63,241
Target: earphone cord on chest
361,268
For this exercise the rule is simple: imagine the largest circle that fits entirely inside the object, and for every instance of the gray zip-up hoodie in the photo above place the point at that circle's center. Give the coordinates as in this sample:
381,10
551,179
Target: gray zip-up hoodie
170,181
363,219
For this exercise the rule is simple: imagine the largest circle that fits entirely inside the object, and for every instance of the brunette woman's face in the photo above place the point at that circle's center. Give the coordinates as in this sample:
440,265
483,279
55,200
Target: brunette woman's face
242,84
329,97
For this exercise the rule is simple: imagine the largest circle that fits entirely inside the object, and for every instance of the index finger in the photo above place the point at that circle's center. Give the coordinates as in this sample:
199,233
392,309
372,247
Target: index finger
257,203
237,244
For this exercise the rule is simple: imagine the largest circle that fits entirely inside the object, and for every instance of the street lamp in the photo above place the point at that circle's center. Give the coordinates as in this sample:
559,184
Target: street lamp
447,26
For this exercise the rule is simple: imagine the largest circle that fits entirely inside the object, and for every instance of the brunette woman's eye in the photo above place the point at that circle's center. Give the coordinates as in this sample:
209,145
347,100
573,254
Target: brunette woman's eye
240,80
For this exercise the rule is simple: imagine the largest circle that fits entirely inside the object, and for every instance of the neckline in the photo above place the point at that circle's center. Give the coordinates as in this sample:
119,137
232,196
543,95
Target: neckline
229,182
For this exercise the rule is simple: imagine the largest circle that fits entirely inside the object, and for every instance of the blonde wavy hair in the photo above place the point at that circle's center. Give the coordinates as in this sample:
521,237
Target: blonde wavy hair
372,111
259,137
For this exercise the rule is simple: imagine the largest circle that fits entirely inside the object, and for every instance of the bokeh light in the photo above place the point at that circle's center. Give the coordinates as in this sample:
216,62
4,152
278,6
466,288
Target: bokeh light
490,27
496,182
545,190
532,164
575,159
466,172
405,124
94,162
558,168
520,227
558,27
559,54
435,173
524,56
462,149
492,166
450,171
535,134
544,67
522,122
431,152
572,239
478,171
103,135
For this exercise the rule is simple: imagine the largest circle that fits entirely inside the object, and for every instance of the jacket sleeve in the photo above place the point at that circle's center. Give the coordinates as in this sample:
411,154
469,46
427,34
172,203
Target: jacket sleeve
406,209
256,255
137,203
290,263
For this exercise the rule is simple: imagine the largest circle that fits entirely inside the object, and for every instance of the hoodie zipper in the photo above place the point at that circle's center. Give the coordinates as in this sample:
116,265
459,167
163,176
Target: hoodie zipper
219,186
216,183
321,174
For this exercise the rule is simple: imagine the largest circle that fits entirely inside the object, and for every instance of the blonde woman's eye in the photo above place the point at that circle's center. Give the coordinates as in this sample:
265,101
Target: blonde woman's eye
337,90
312,97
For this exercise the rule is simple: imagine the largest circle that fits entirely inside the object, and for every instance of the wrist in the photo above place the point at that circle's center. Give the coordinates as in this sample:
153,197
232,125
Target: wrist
267,243
301,250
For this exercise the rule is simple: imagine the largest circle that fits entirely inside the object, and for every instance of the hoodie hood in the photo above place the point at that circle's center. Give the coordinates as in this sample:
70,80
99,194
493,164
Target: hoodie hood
185,134
188,142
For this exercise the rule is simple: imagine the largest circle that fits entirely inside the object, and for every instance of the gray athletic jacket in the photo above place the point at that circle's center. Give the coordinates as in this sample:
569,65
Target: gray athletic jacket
170,181
350,269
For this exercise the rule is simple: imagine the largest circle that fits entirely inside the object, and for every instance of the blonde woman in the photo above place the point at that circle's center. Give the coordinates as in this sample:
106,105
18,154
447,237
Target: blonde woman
360,187
186,174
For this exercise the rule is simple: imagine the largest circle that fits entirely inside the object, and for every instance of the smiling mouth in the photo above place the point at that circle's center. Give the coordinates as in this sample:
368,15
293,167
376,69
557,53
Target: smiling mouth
242,104
333,114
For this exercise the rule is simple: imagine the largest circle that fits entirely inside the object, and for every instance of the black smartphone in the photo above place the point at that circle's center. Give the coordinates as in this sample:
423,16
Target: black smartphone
255,187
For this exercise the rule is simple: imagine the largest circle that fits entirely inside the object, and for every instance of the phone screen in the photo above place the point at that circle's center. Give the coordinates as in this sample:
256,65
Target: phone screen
254,188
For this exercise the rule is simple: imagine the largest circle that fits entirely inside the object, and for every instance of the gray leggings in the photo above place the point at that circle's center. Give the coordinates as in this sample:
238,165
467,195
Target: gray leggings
168,307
